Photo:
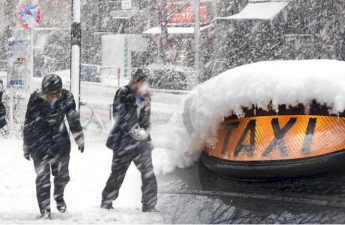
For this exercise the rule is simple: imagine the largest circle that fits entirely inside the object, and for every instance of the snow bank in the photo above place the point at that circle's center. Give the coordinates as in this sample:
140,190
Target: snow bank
279,82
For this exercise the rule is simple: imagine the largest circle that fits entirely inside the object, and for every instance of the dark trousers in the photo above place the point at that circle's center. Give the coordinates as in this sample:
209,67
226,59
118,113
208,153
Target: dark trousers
2,115
58,166
141,156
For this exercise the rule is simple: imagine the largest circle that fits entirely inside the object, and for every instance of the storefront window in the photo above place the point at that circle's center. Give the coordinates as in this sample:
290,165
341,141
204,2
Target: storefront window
181,14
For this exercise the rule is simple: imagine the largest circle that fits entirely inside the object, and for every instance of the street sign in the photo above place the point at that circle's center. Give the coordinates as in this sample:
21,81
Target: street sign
17,78
126,4
18,64
28,13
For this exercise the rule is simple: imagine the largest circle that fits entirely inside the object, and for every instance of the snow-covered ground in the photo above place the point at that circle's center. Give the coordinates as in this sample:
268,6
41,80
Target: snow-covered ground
89,172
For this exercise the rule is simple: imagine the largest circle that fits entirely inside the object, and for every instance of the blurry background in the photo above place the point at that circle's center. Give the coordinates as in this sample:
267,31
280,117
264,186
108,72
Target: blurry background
121,35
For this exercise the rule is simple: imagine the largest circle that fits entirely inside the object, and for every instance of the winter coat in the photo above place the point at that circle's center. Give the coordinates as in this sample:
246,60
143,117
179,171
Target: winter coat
45,132
126,117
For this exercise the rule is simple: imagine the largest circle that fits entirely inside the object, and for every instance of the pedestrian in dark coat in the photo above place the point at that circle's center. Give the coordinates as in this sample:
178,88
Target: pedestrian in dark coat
130,141
47,142
2,107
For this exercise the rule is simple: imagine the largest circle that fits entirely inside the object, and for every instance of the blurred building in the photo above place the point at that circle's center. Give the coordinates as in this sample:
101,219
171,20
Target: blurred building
179,49
274,30
51,36
127,33
233,32
112,34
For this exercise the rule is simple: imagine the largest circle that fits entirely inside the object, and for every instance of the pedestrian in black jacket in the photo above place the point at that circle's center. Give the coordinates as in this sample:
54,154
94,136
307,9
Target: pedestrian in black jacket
47,142
130,140
2,107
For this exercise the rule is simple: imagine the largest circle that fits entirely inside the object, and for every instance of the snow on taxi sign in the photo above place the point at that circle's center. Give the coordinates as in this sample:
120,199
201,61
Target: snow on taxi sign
28,13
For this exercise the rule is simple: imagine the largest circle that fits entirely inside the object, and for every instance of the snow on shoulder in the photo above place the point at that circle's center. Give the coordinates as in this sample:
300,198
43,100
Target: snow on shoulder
260,84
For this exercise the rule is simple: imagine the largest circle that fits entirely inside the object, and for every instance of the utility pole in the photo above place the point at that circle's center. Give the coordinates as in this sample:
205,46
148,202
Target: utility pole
9,21
197,40
76,51
164,31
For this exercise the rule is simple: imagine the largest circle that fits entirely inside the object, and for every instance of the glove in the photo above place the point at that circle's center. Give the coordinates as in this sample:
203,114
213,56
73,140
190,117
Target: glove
138,134
134,133
143,135
27,156
81,148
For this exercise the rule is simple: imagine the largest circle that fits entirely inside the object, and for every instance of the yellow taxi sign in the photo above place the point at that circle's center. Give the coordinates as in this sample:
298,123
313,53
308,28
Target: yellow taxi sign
266,138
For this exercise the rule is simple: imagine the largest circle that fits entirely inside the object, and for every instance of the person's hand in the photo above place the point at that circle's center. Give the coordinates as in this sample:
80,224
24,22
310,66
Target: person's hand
81,148
134,133
27,156
143,135
138,134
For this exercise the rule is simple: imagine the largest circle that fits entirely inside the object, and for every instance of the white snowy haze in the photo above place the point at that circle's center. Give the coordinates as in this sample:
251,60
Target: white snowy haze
117,38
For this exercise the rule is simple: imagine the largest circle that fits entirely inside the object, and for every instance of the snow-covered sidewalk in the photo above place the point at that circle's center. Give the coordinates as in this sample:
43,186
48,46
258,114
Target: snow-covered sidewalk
89,172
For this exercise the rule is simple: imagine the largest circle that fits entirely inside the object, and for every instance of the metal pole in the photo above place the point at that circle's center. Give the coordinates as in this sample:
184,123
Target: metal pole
125,56
164,32
31,65
76,51
118,75
9,23
197,40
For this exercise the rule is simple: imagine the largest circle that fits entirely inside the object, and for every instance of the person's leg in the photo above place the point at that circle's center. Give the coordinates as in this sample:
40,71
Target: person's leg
61,178
120,165
143,162
42,168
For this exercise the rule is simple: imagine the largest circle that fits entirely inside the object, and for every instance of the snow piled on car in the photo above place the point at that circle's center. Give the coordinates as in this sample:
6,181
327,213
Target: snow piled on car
260,84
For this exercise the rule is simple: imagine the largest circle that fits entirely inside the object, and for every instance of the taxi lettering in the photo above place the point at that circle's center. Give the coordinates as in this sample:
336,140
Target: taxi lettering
279,132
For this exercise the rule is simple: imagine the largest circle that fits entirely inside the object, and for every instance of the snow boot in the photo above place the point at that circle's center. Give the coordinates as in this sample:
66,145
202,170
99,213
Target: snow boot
107,205
45,215
61,205
149,209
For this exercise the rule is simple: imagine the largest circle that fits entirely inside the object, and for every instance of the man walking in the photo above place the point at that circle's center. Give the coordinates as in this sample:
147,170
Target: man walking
130,140
47,142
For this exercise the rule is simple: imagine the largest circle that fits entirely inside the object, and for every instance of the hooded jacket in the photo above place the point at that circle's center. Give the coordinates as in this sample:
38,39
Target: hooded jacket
45,131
